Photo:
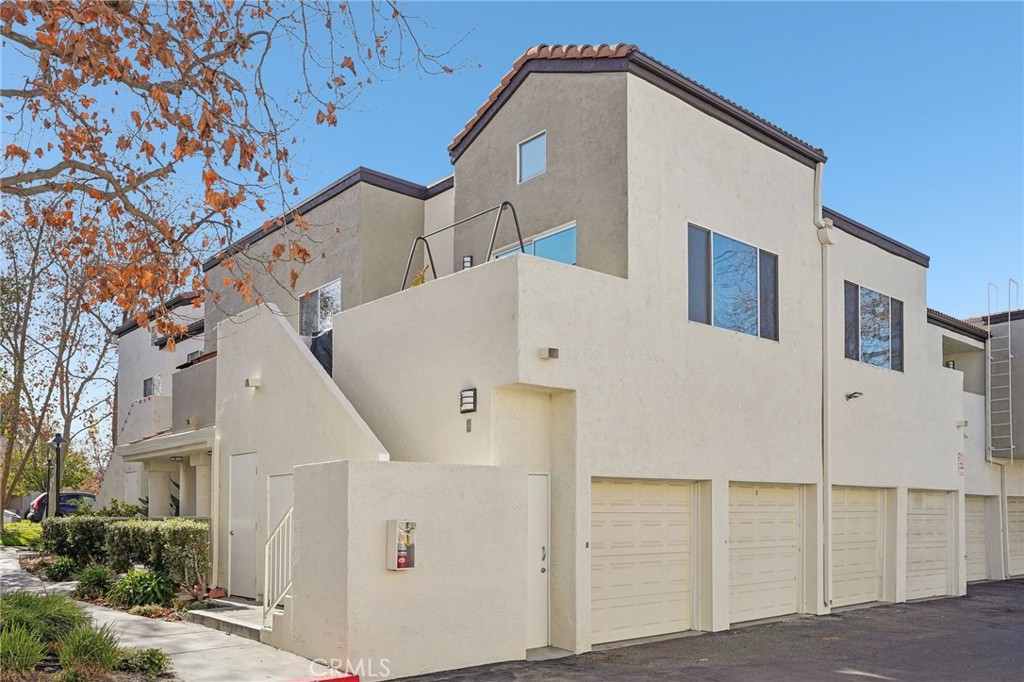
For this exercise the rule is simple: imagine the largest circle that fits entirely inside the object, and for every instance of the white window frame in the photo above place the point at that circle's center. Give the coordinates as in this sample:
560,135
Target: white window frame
336,280
513,248
519,157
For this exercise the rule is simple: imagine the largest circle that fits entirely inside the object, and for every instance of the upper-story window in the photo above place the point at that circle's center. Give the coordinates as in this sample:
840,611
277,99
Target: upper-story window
151,386
874,327
733,285
318,307
558,244
533,157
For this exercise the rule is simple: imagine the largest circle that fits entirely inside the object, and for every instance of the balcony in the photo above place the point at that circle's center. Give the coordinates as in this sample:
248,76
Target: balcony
146,417
195,388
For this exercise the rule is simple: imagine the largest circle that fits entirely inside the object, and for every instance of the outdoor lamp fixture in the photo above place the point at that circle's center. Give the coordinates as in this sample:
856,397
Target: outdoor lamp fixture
177,458
467,262
58,441
467,401
855,394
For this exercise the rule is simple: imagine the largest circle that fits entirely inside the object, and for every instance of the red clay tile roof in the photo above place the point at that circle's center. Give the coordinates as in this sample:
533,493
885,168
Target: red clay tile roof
956,324
645,61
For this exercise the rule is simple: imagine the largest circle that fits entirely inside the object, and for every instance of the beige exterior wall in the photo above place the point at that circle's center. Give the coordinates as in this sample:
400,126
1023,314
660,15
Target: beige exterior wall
195,402
438,212
585,119
297,416
461,605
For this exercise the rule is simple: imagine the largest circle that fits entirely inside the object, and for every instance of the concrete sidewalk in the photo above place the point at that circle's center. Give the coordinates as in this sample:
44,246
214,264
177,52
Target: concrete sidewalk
199,654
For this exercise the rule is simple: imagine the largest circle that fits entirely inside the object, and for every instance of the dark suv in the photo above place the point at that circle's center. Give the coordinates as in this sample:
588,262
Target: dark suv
69,504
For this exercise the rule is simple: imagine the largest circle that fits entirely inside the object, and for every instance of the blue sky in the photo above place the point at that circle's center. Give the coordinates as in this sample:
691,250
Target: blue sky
919,106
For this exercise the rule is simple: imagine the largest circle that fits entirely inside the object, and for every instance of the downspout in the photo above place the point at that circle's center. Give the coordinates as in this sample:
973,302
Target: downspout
826,233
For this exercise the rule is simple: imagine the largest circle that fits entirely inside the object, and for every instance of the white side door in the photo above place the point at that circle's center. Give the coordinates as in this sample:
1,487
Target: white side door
1015,523
977,548
538,552
242,549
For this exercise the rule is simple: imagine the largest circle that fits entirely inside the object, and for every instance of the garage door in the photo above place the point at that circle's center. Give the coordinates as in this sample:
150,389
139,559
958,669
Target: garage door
764,563
857,550
928,544
1015,518
640,559
977,552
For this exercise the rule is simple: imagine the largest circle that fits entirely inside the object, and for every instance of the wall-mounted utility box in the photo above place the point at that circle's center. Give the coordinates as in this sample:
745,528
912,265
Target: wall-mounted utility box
401,545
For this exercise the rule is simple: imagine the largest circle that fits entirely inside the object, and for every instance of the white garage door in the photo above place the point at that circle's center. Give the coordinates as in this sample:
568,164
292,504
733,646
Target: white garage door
764,561
1015,514
977,552
928,544
640,559
857,550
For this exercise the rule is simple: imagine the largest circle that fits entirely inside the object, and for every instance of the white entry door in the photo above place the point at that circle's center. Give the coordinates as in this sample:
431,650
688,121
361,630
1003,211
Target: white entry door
857,549
242,550
929,546
640,559
764,556
977,548
1015,519
538,552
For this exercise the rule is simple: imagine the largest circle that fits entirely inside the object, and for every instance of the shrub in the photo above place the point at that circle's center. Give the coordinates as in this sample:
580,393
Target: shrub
83,538
93,651
151,662
139,588
94,581
62,568
50,616
186,606
133,542
20,650
149,610
118,509
70,676
186,553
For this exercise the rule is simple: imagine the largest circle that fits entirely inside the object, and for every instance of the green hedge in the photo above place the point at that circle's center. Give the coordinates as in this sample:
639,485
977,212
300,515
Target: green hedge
83,538
178,547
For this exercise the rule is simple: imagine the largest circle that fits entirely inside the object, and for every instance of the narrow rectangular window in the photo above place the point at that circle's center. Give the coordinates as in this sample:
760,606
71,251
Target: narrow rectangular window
768,288
699,274
147,387
734,276
875,328
851,294
533,157
897,334
318,307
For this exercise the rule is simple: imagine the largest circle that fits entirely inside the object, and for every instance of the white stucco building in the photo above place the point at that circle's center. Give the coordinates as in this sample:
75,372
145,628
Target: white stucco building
689,397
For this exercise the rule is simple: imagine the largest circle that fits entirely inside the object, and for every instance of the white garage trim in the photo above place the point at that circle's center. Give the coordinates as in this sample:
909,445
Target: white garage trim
858,545
764,551
977,549
641,568
1015,528
929,544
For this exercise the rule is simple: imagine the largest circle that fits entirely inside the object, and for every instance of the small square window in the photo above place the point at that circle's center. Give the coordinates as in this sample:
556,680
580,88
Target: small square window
533,157
150,387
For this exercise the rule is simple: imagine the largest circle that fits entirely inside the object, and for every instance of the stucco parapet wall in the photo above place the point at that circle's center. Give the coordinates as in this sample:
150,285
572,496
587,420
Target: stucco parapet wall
261,343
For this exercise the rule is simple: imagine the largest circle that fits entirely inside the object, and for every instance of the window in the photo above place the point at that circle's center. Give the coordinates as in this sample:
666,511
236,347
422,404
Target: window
533,157
151,386
873,327
732,285
559,245
318,307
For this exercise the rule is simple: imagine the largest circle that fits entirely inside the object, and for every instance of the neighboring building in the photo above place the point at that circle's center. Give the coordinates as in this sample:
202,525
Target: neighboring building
699,399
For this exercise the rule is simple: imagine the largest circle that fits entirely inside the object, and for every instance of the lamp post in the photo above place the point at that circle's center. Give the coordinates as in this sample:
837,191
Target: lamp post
53,493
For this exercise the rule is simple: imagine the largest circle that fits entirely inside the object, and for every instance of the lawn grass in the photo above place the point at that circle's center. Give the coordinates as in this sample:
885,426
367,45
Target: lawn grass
21,534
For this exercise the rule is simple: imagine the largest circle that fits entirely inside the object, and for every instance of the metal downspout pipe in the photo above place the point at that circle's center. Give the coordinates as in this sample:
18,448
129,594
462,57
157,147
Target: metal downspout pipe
825,232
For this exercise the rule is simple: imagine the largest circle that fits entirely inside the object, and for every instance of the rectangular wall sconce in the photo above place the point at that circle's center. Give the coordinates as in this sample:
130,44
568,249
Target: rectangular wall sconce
467,262
467,400
951,364
252,382
548,353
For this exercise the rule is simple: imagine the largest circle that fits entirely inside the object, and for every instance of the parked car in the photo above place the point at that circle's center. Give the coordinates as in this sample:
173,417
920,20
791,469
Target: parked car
11,517
69,504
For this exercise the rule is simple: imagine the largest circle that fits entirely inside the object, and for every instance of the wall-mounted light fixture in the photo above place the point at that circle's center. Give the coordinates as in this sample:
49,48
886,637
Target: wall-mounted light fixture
467,262
467,400
252,382
548,354
951,364
177,458
855,394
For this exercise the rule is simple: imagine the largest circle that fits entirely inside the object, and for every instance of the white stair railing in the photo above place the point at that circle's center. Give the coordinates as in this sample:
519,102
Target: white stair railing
277,565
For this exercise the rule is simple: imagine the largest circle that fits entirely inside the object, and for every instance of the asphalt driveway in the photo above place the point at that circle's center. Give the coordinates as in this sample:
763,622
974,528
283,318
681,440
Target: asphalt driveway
977,637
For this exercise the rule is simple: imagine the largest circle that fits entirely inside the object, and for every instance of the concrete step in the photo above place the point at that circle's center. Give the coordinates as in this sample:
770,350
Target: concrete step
242,622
